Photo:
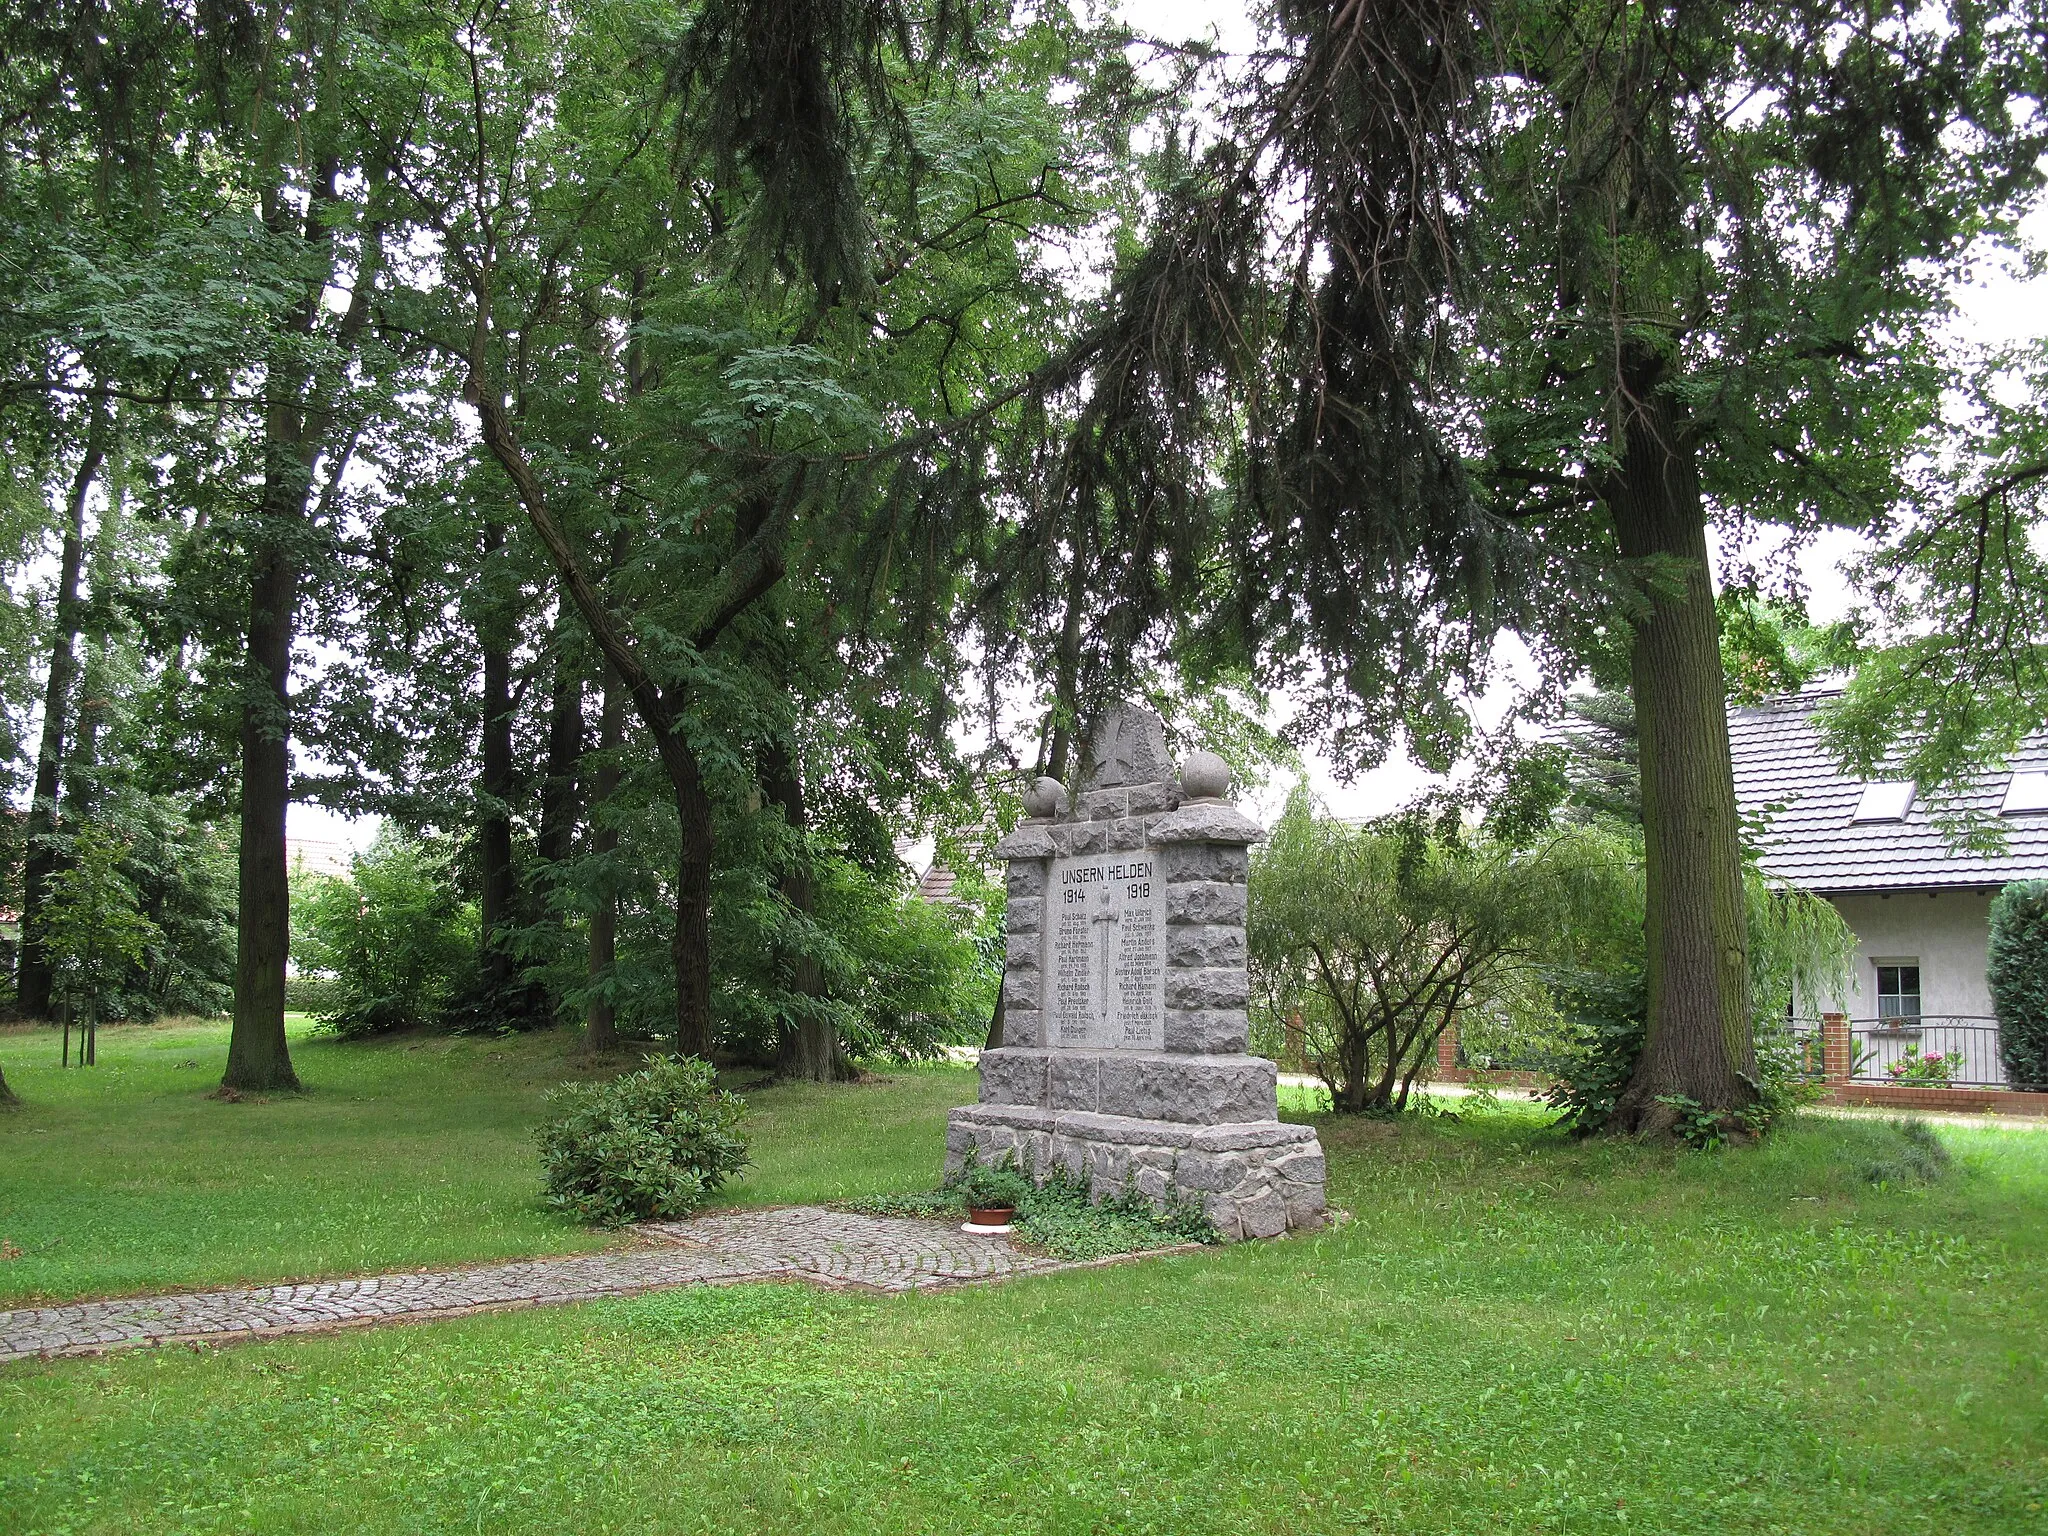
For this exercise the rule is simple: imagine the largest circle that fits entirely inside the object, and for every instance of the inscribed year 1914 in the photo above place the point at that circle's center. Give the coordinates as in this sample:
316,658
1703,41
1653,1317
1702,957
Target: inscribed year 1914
1106,965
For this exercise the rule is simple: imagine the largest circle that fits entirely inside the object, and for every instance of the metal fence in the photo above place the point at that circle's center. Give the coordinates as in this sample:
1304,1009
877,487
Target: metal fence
1927,1052
1903,1051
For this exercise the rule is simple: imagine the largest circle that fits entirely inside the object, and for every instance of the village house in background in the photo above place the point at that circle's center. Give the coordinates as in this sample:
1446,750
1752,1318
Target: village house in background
1919,910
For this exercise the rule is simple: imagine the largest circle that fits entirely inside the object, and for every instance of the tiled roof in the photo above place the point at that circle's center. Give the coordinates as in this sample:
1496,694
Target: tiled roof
1784,778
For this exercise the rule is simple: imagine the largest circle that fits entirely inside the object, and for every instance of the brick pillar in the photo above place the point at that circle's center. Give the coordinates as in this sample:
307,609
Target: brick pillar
1834,1048
1447,1049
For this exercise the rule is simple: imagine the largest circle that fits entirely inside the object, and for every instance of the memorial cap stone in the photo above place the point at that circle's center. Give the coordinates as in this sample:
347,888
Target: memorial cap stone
1127,746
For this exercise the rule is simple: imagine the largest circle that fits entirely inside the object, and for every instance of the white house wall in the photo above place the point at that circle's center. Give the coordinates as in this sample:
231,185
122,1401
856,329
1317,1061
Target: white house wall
1946,933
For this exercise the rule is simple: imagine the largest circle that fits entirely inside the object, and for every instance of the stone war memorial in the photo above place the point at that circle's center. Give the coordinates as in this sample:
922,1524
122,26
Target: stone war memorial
1124,1027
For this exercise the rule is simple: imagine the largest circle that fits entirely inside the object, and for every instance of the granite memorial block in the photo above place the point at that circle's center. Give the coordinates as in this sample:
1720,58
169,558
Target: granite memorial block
1125,1032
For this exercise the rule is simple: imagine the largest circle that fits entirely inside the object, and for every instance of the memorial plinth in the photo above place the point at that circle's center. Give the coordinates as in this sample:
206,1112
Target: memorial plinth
1124,1027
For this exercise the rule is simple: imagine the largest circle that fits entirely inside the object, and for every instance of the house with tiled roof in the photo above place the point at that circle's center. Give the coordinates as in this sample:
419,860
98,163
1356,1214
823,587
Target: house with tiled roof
1920,910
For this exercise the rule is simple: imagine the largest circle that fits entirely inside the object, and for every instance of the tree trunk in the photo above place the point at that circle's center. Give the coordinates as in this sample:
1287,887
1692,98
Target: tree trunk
32,976
81,774
7,1098
298,417
258,1058
494,829
1066,692
558,787
600,1024
691,948
810,1047
1699,1044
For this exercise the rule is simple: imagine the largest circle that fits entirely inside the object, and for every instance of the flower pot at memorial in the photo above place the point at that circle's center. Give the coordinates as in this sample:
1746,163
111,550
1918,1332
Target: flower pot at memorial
991,1218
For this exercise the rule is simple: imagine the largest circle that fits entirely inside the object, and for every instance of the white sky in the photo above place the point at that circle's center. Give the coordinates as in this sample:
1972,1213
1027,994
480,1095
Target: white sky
1999,308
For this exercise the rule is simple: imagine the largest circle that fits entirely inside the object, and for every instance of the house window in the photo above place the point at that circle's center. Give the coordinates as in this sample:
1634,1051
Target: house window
2025,792
1887,800
1898,992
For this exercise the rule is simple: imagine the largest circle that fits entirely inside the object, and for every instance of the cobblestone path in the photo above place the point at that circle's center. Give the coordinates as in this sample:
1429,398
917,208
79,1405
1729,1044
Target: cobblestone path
811,1243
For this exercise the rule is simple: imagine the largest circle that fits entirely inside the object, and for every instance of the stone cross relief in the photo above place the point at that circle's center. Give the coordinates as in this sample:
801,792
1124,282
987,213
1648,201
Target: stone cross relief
1103,938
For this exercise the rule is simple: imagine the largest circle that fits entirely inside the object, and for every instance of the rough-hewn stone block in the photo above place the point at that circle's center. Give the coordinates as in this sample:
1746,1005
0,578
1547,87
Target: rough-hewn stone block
1125,835
1023,989
1220,986
1211,1172
1207,901
1237,1138
1101,805
1262,1215
1208,821
1015,1075
1144,799
1203,861
1072,837
1022,914
1222,1213
1209,1031
1025,877
1305,1166
1205,944
1030,840
1076,1080
1022,1026
1306,1205
1196,1090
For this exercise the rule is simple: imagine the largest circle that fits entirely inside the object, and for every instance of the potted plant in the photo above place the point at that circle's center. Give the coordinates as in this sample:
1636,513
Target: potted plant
991,1194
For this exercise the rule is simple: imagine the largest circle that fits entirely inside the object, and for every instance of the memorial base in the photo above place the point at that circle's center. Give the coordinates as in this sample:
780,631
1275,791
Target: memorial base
1259,1178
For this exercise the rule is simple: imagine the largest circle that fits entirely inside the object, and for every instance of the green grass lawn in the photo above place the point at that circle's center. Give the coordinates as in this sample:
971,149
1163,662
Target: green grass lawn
1516,1334
403,1153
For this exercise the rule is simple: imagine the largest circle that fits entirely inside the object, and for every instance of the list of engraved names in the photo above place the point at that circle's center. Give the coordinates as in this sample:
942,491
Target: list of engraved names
1107,963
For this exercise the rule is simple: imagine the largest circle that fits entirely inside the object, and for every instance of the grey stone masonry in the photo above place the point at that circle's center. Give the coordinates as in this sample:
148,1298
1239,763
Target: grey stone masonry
1125,992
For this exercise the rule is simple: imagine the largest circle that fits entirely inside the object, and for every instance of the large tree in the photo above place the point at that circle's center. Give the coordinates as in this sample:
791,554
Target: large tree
1514,299
730,332
217,265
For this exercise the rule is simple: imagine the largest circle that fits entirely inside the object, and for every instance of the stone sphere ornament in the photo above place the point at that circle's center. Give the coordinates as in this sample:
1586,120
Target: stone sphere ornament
1204,776
1045,798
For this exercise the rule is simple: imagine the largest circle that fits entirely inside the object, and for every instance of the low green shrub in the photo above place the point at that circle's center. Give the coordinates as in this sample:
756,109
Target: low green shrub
1057,1214
396,936
1935,1070
650,1143
1060,1217
314,994
1906,1152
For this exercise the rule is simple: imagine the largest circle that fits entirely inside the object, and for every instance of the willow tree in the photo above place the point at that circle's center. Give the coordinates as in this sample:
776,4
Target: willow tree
1537,291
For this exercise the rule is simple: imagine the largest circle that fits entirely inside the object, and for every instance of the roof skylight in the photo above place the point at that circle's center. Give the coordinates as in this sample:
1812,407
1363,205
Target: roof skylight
2025,792
1884,800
